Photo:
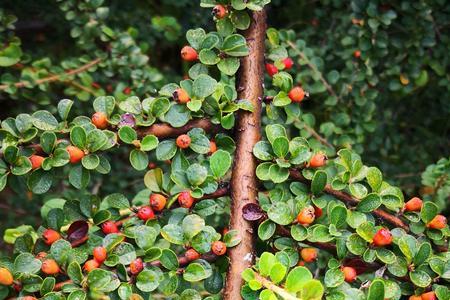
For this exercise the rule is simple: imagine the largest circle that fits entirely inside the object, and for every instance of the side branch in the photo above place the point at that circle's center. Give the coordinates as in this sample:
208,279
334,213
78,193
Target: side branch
297,175
51,78
248,133
164,130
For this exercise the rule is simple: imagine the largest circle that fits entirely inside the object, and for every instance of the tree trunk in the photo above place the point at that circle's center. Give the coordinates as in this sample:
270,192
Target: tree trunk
247,133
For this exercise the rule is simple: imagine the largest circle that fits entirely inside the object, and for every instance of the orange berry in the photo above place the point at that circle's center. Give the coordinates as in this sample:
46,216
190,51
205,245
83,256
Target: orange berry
415,204
349,273
306,216
109,227
50,236
212,147
183,141
357,54
157,202
185,199
75,153
6,277
383,237
219,11
28,298
300,263
36,161
180,95
271,69
288,63
50,267
308,254
438,222
191,255
428,296
99,254
189,54
296,94
100,120
145,213
91,265
136,266
414,297
219,248
317,160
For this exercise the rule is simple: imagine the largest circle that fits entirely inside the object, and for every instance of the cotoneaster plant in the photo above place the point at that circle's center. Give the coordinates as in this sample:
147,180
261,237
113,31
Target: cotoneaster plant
237,203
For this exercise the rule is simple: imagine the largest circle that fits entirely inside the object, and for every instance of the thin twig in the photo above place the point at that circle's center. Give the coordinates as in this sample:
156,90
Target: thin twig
51,78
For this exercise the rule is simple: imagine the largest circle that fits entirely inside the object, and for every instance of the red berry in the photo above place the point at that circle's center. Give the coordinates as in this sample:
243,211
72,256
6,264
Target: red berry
219,248
180,95
349,274
271,69
308,254
297,94
91,265
189,54
36,161
219,11
288,63
183,141
415,204
95,85
50,267
136,266
428,296
357,54
191,255
414,297
6,277
438,222
50,236
127,90
109,227
100,254
75,153
100,120
145,213
317,211
212,147
317,160
157,202
306,216
185,199
383,237
152,165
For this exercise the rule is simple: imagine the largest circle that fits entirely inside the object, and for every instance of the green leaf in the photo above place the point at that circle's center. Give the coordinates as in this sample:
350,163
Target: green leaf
369,203
266,230
334,278
204,85
21,166
277,272
208,57
423,254
173,234
420,278
192,225
319,182
356,244
148,280
26,263
232,238
312,290
11,54
263,150
386,256
78,137
166,150
196,272
220,163
131,105
266,262
296,278
374,178
40,181
280,213
235,45
280,146
169,260
229,65
44,120
195,37
127,134
149,142
278,174
90,161
196,174
105,104
64,107
428,212
376,290
74,272
79,177
96,139
138,159
48,141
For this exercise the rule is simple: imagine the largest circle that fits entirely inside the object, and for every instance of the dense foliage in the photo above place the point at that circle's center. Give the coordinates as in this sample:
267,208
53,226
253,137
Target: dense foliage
135,186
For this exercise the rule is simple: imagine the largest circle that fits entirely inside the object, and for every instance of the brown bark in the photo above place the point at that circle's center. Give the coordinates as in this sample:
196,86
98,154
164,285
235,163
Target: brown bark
396,221
248,133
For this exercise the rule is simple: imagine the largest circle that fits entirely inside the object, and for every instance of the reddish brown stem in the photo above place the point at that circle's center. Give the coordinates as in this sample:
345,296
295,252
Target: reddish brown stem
59,285
183,261
165,130
394,220
248,133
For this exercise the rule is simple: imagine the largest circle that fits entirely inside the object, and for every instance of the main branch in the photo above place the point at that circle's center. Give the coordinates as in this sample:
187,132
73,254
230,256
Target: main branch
248,133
